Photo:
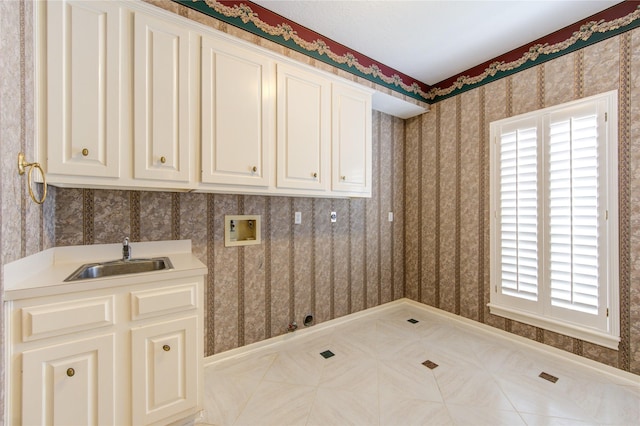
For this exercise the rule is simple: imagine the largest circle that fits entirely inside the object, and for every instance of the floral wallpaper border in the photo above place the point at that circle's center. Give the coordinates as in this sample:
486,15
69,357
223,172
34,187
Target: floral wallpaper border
262,22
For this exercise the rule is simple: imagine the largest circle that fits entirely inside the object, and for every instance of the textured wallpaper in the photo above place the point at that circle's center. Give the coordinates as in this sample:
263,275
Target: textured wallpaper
447,210
25,228
431,171
254,292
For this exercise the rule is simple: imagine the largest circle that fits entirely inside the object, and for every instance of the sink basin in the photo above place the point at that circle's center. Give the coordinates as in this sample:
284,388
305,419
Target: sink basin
119,267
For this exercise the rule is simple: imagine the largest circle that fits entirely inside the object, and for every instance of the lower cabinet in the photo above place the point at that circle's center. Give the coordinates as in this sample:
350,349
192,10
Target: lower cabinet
69,384
130,355
164,369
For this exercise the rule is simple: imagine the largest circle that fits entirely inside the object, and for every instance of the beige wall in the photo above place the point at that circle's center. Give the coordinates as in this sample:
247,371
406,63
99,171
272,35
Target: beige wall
254,292
447,260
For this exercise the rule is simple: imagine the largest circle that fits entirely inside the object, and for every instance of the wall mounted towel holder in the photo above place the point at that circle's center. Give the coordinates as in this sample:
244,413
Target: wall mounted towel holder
22,165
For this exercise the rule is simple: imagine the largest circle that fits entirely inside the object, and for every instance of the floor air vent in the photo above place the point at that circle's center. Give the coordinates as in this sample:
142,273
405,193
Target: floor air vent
430,364
327,354
413,321
548,377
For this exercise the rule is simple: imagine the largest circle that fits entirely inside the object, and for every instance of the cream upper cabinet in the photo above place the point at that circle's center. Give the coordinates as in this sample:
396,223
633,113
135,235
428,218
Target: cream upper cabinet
304,127
82,124
237,114
130,96
165,81
351,141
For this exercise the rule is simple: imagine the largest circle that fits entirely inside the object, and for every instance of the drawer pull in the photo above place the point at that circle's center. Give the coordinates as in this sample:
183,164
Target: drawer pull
166,348
163,160
71,372
254,169
85,152
315,175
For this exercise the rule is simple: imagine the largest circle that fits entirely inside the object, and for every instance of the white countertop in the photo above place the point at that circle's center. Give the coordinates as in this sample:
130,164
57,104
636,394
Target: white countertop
43,273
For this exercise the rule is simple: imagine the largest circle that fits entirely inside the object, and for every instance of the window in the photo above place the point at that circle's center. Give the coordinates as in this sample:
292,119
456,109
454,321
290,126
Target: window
554,227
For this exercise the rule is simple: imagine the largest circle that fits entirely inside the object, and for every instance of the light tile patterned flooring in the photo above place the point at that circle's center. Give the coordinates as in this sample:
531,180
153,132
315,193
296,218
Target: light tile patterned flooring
377,378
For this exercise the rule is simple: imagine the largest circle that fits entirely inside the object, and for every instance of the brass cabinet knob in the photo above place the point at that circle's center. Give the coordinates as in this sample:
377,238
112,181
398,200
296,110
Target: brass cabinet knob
85,152
166,348
163,160
254,169
315,175
71,372
343,177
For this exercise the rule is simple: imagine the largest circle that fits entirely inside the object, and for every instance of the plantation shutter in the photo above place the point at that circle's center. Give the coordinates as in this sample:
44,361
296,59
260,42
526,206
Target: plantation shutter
519,213
554,240
573,212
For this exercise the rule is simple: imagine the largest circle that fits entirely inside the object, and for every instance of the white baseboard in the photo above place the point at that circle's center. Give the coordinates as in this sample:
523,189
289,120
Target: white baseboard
301,332
466,322
530,344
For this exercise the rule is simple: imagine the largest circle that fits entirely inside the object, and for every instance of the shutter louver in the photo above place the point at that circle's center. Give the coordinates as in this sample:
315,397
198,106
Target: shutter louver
519,213
573,213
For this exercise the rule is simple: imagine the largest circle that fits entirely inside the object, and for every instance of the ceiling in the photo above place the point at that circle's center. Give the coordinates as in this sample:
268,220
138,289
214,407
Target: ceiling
432,40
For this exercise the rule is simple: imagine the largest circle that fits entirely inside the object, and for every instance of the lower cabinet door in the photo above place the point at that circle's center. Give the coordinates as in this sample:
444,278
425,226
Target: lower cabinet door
164,370
70,383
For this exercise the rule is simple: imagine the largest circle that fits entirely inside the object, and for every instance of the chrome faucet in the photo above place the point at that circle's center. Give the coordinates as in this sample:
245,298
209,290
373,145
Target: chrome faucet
126,249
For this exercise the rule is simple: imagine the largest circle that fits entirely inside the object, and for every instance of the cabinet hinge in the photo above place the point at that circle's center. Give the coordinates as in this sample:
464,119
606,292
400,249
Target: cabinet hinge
495,288
607,312
606,116
606,214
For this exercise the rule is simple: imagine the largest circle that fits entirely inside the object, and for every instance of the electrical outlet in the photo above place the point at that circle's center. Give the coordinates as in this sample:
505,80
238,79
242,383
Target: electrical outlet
334,217
297,218
390,216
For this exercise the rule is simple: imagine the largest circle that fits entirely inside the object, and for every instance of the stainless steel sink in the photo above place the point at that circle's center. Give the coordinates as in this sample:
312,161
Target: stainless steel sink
120,267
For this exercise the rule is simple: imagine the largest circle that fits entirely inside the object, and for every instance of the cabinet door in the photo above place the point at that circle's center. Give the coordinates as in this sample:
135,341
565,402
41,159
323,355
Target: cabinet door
236,114
351,140
69,384
163,99
164,370
84,91
304,122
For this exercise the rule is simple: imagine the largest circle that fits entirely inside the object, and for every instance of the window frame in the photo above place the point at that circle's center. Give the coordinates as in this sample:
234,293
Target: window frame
541,313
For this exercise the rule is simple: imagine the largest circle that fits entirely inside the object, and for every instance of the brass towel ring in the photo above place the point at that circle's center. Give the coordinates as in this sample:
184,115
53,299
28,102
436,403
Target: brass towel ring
22,164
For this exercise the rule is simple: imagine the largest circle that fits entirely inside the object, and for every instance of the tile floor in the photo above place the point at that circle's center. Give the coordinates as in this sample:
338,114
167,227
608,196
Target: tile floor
377,377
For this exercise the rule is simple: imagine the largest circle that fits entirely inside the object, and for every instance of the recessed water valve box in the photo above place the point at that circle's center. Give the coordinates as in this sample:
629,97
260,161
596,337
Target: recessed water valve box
241,230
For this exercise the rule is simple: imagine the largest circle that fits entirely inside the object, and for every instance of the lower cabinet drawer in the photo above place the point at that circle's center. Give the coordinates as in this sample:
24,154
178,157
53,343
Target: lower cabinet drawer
56,319
155,302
